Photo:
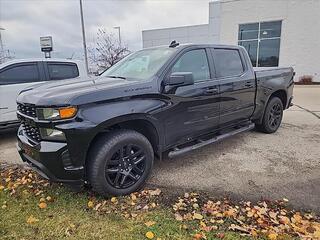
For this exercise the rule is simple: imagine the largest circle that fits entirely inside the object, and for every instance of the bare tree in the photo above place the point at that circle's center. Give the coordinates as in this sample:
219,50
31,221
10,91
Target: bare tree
107,50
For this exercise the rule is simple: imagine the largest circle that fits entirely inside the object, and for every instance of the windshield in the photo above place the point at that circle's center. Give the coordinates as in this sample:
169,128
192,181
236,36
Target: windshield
140,65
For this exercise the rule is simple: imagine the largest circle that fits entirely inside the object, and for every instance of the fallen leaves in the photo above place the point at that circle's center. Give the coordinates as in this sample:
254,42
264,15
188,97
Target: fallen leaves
198,215
284,220
114,200
271,220
149,235
198,236
273,236
235,227
43,202
42,205
178,217
16,180
155,192
49,199
133,196
32,220
131,206
150,223
90,204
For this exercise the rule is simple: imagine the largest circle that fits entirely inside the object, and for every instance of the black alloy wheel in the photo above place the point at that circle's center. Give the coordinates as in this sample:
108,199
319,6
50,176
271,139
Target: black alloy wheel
120,162
126,166
275,115
272,116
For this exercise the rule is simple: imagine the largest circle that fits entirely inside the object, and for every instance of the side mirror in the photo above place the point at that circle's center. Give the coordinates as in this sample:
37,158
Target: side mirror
180,79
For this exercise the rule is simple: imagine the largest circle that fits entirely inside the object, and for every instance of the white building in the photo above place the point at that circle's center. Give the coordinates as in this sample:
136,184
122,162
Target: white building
274,32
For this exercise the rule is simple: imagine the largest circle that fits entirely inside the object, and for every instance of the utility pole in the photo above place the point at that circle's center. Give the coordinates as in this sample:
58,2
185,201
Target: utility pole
2,53
1,43
119,35
84,37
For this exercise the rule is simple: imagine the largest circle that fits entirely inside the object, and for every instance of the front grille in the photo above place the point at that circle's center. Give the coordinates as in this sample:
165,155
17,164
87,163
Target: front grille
27,109
32,132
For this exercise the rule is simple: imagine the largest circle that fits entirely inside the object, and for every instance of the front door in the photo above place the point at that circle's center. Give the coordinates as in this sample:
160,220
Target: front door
195,108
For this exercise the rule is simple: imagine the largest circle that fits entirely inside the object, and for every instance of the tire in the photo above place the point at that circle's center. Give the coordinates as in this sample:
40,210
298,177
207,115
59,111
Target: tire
120,163
272,116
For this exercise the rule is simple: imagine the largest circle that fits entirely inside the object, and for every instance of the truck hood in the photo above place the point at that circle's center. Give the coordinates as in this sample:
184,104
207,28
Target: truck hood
81,91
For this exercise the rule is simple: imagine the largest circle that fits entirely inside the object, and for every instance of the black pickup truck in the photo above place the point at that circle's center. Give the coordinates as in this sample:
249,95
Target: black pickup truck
105,132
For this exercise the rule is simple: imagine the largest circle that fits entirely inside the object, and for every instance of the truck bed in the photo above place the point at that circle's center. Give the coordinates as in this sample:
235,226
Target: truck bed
270,78
265,72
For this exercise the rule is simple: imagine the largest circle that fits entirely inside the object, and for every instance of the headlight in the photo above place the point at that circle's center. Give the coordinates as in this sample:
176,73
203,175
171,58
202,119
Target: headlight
56,113
52,134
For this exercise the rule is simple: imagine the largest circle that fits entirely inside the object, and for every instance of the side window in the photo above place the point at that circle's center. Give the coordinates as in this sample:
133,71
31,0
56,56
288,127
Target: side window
227,62
194,61
19,73
58,71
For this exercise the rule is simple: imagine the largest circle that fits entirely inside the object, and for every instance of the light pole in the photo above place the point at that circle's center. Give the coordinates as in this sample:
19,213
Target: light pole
1,43
2,53
119,35
84,37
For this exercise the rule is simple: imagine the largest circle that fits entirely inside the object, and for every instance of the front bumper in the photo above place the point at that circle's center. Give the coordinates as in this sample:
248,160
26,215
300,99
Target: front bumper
50,159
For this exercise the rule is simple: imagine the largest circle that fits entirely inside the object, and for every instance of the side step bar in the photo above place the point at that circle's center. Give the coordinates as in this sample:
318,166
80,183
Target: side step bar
178,151
9,125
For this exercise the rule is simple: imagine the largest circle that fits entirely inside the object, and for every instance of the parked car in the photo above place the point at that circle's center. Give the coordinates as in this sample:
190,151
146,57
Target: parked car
21,74
157,101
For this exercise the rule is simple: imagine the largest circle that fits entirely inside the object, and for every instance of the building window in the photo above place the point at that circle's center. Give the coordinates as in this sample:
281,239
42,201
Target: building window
262,42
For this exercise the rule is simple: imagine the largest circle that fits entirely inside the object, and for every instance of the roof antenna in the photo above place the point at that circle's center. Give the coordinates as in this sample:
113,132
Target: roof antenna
173,44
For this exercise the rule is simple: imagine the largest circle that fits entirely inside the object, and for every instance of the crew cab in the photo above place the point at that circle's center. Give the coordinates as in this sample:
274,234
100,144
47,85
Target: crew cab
17,75
163,101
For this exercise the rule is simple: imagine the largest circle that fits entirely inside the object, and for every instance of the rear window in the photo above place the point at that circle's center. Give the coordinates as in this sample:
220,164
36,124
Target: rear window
58,71
19,73
227,62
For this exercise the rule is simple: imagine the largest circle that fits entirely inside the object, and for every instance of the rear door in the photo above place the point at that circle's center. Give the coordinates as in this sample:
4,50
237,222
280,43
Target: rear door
13,79
195,108
61,70
237,85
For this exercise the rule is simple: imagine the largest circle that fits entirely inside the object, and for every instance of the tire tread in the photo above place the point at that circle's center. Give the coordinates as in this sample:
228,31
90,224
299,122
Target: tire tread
99,151
264,127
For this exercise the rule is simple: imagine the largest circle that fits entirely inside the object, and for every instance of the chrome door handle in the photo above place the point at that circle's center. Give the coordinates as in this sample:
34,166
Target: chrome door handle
248,84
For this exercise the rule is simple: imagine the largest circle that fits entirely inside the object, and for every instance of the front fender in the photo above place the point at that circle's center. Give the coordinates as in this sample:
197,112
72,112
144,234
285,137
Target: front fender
105,115
95,118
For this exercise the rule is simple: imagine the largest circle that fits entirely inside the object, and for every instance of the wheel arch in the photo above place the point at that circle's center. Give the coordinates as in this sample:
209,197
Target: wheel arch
137,122
282,94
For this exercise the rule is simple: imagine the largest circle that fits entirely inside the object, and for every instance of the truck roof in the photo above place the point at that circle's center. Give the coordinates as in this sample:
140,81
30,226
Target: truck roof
184,45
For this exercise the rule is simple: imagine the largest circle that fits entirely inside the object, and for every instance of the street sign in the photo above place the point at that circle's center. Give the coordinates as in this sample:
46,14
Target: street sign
46,44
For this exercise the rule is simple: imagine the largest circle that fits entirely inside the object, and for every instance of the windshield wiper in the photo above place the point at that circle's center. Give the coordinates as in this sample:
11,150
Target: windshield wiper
112,76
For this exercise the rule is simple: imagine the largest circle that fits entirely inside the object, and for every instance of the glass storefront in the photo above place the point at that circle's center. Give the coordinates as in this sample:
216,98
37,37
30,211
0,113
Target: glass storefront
262,41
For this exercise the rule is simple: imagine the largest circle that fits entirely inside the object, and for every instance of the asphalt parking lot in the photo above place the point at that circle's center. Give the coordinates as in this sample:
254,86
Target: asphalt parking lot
251,165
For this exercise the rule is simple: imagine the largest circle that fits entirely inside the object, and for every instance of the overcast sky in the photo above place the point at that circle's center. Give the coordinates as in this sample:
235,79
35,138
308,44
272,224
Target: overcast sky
26,20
